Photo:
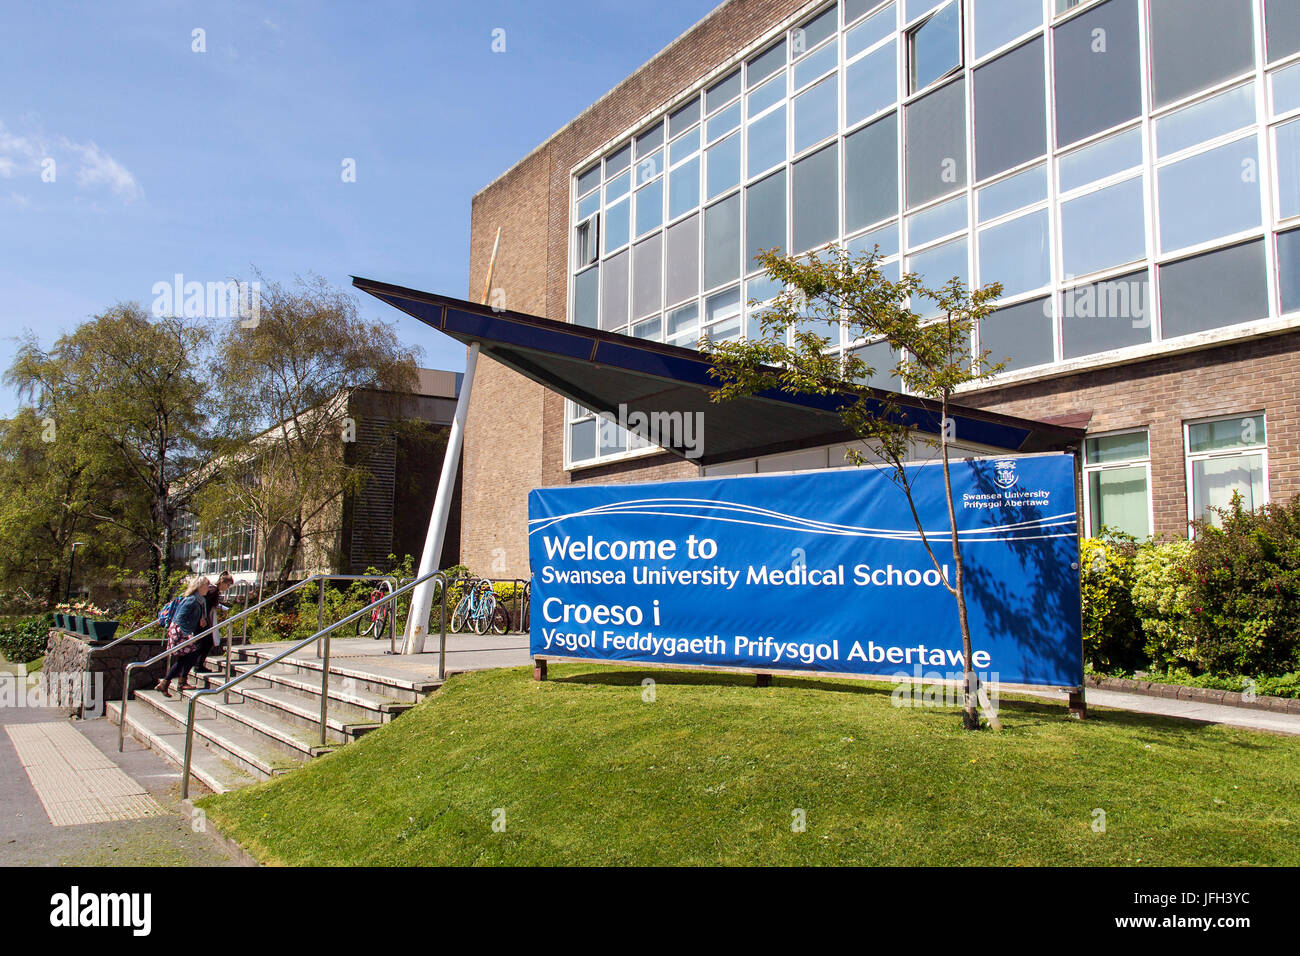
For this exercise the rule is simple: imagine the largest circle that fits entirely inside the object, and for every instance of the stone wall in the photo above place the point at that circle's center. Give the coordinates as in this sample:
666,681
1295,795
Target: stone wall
79,676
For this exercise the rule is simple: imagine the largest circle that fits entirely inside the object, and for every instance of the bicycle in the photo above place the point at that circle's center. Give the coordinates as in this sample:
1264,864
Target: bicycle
377,623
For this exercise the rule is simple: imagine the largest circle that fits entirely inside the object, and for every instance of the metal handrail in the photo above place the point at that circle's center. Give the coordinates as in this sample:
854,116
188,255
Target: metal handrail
126,671
124,637
325,669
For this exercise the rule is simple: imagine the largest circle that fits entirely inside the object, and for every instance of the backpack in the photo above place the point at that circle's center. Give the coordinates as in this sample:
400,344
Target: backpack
168,611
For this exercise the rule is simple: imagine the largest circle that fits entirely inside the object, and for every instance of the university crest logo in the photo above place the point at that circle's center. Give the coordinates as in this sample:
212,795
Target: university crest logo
1005,476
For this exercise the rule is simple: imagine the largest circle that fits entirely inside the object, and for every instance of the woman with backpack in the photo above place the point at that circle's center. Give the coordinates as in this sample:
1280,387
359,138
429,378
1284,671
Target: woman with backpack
188,617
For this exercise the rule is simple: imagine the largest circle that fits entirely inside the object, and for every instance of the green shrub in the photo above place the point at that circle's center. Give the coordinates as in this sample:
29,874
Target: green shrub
24,640
1162,599
1112,637
1285,685
1246,591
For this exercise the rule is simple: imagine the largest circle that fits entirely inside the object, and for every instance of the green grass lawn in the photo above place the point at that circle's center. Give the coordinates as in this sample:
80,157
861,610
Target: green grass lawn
714,769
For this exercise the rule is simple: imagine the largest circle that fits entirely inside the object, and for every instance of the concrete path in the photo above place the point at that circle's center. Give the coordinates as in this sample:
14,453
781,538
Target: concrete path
1186,710
29,838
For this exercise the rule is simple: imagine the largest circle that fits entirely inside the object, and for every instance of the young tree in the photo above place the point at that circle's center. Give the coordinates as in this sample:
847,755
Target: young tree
935,358
283,382
127,401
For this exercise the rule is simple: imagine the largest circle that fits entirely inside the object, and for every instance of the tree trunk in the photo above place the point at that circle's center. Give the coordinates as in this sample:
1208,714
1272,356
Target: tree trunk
970,715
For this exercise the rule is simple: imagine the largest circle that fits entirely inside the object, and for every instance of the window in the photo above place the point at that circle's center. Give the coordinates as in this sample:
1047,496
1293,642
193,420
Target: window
1226,456
1010,110
936,144
766,63
767,142
1282,25
684,118
1288,269
765,204
618,224
816,113
1001,21
1100,160
937,266
587,181
684,260
1098,78
1209,195
1197,43
722,92
1212,290
816,199
1017,253
684,188
871,173
1288,169
934,47
883,362
585,241
1019,336
870,84
1105,315
722,242
1117,476
722,315
650,207
1015,192
613,297
723,165
1216,116
938,221
1104,228
586,286
647,275
869,32
814,31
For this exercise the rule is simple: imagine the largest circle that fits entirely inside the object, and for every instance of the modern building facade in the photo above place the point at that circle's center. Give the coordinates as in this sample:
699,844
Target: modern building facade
1127,170
399,441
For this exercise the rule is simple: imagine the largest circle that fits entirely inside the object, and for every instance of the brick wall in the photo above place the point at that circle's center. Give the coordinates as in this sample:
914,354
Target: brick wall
515,434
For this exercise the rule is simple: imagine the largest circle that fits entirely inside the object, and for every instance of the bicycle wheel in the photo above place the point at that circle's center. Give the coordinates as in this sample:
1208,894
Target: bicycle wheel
381,623
460,615
483,619
525,609
500,620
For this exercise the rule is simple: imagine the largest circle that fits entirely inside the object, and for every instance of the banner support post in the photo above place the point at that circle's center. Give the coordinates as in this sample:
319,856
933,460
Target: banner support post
1077,704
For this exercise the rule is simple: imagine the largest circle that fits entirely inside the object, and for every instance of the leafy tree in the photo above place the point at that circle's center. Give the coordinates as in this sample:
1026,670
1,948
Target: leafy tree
824,291
127,397
282,385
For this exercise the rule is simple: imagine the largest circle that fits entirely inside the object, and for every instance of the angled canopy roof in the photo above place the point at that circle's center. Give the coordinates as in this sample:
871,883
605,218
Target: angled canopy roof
603,371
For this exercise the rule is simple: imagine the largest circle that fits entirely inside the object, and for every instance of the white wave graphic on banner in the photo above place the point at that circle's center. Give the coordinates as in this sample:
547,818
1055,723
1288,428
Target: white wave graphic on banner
700,508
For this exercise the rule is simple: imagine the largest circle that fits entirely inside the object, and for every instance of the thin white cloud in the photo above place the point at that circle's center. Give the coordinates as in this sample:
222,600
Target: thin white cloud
90,167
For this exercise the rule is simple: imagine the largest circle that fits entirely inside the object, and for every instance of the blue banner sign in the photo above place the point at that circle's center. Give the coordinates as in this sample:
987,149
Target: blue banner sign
816,571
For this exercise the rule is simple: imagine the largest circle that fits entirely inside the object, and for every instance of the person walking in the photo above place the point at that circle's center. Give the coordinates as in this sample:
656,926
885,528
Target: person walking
213,612
187,620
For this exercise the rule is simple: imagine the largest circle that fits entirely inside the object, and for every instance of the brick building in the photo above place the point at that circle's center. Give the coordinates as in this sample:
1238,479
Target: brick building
1129,170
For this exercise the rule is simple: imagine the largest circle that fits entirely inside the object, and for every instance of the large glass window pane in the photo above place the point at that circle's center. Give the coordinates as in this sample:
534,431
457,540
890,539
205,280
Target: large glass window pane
1286,90
618,187
883,362
722,242
803,38
766,63
937,221
684,118
587,181
1105,315
722,92
684,260
613,297
1220,114
883,240
1288,169
1106,157
1015,192
582,440
1216,480
773,91
723,123
684,146
1017,254
1213,290
647,276
651,329
816,199
618,161
650,207
1108,449
937,267
1103,229
936,144
1010,110
722,315
815,65
1226,434
1117,499
723,165
588,205
764,216
1282,27
1098,79
934,48
870,31
586,304
1020,335
871,173
684,188
1288,269
870,84
617,224
767,142
1001,21
1211,194
816,113
1197,43
684,325
650,140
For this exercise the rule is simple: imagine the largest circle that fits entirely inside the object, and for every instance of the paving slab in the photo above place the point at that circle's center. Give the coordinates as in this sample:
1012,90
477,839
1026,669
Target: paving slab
1201,711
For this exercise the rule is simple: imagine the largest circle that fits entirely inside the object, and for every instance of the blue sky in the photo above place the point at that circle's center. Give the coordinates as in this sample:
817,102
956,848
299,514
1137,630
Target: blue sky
168,160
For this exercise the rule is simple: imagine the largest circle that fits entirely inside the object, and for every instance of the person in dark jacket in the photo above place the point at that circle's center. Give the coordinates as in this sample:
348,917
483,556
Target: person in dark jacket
214,608
188,619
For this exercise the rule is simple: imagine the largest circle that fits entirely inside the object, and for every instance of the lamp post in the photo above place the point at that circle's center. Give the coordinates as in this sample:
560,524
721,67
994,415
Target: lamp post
67,594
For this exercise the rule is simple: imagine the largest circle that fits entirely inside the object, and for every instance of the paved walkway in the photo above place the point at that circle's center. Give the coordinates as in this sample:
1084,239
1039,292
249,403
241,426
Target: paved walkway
28,837
1186,710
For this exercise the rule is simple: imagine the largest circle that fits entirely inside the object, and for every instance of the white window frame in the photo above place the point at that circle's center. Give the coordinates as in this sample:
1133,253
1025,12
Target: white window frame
1189,456
1113,466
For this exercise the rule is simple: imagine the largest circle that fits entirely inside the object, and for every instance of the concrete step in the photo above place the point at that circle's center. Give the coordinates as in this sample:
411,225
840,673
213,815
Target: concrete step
348,704
368,679
302,710
161,735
